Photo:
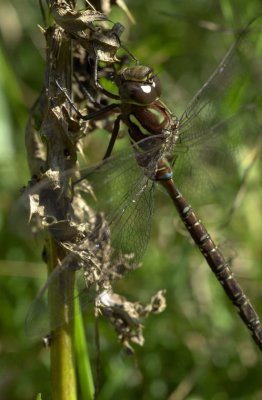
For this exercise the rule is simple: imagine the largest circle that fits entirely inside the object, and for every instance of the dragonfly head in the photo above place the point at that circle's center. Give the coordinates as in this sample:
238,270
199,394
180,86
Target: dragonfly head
138,85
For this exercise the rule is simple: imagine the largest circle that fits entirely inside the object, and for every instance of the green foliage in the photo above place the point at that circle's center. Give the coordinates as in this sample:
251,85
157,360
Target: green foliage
198,348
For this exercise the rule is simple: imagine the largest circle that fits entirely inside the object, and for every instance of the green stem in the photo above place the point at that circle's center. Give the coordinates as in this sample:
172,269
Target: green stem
63,382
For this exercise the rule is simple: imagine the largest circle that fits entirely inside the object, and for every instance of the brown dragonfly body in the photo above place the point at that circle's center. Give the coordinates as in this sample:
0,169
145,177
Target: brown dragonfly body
155,118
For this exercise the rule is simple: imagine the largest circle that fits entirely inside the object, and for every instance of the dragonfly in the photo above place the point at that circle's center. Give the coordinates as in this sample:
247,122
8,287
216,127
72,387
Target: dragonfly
169,151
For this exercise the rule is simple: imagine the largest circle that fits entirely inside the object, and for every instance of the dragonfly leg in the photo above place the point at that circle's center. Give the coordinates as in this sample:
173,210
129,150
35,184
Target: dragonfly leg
91,115
64,91
86,92
113,138
98,85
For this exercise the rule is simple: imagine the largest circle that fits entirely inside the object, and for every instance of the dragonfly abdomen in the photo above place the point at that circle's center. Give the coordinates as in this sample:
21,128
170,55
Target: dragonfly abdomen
163,172
216,261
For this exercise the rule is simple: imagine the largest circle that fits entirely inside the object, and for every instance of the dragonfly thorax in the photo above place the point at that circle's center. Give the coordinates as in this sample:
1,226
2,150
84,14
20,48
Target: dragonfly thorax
138,85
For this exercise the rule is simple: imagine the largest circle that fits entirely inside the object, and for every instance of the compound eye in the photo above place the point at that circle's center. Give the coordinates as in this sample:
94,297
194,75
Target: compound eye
146,93
157,86
143,93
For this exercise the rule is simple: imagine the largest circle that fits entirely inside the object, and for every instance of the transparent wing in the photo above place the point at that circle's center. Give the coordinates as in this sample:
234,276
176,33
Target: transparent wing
201,111
212,134
124,194
209,168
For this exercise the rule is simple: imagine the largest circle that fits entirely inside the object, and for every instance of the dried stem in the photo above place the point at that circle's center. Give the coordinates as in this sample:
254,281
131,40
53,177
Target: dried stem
50,147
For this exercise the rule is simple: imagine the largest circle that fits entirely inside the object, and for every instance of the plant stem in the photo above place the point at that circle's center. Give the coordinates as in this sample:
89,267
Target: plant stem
61,303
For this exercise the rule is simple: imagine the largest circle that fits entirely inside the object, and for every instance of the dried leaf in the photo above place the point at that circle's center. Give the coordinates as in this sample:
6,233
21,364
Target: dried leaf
101,43
98,41
34,205
74,21
157,304
125,316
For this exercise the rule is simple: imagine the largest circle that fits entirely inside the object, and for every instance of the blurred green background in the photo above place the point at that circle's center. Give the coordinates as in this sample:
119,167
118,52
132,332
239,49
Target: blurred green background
198,348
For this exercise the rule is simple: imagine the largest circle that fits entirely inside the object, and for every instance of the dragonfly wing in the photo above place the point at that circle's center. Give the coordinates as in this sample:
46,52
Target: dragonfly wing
211,132
131,227
110,178
125,196
214,164
124,193
130,233
205,104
